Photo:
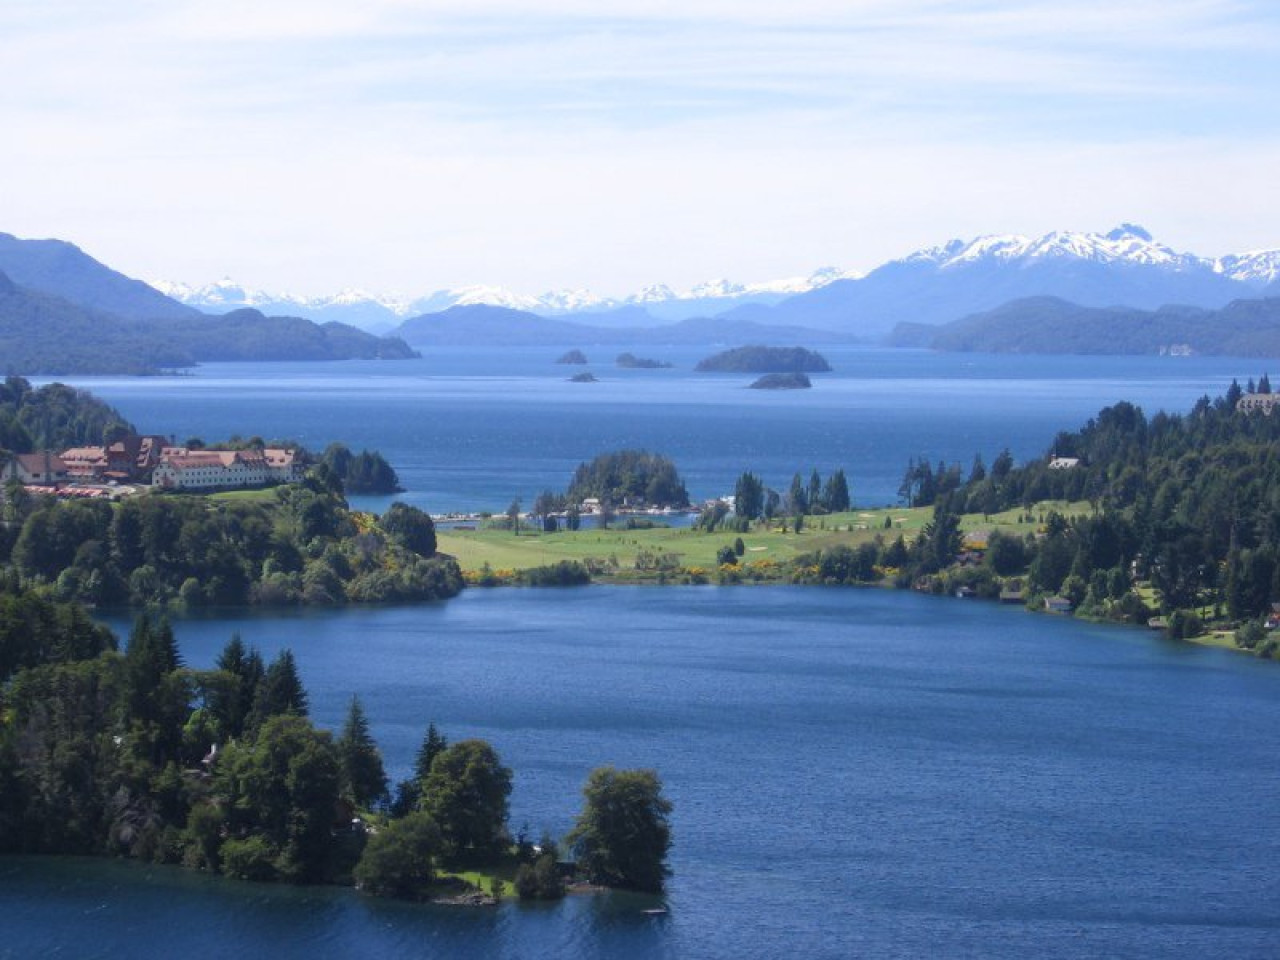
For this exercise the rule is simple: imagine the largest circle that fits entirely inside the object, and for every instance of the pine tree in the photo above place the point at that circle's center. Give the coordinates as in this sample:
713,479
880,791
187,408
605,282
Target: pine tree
279,692
835,496
433,744
359,760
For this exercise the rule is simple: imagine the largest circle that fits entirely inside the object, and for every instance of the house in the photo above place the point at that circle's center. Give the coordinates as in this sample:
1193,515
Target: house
130,457
45,468
1258,403
1063,463
1273,618
1057,604
86,464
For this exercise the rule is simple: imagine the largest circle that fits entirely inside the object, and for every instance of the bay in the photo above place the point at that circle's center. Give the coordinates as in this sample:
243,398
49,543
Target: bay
470,429
854,772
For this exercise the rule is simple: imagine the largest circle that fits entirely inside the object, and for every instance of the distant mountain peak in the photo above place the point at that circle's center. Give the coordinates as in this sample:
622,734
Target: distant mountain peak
1130,230
1126,243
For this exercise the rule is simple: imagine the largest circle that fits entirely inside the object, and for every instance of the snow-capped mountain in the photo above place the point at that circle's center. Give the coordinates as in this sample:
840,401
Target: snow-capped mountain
377,312
1124,267
1127,244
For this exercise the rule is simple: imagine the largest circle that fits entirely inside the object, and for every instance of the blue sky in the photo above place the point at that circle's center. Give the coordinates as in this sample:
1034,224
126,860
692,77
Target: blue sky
406,146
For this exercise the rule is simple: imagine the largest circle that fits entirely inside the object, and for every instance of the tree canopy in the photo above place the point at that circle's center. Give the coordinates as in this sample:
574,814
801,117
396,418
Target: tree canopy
623,833
629,475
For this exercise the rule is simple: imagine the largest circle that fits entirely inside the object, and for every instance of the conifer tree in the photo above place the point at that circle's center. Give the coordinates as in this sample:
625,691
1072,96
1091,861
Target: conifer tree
279,692
359,760
433,744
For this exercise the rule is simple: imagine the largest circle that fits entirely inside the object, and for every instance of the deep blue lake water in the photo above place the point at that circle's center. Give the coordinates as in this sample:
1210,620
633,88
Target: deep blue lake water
471,429
854,772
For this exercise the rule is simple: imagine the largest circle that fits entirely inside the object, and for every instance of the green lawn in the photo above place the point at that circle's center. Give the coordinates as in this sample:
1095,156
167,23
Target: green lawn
503,550
257,494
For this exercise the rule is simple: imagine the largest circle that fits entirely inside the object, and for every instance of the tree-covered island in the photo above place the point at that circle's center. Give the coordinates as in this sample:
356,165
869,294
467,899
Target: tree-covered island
629,361
757,359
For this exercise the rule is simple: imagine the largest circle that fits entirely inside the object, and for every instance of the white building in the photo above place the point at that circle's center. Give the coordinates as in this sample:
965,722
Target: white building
183,469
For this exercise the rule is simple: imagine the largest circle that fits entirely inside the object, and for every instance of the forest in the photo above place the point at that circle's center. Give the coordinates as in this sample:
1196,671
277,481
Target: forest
136,754
1188,504
301,545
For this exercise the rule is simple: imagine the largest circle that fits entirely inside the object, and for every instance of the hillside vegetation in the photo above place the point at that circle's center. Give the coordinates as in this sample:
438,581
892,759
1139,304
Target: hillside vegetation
1047,325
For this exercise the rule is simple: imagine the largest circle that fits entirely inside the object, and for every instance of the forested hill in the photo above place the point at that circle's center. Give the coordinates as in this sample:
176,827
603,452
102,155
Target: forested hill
1048,325
1189,502
44,334
54,416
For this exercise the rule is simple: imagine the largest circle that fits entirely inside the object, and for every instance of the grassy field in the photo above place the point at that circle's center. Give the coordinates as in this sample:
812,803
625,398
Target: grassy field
504,551
256,494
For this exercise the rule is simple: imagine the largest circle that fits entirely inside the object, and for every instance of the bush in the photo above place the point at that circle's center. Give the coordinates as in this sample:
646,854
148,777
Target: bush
540,880
399,860
566,573
250,858
726,555
1251,636
1184,624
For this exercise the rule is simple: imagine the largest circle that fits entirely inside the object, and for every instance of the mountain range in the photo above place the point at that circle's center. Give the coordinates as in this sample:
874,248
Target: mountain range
62,312
652,306
934,285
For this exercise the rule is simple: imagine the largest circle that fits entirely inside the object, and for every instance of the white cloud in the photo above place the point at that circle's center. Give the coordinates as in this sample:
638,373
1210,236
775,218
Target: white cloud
414,144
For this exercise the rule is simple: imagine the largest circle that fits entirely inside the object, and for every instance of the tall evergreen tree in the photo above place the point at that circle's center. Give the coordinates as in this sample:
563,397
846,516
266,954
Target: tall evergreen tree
359,760
798,501
835,495
748,497
279,692
433,744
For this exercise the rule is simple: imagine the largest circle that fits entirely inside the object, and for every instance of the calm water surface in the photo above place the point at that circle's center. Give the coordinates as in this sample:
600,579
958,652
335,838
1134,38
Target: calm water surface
470,429
854,773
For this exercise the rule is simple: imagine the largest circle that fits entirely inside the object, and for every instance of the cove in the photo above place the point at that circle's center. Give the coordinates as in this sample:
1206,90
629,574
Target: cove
854,772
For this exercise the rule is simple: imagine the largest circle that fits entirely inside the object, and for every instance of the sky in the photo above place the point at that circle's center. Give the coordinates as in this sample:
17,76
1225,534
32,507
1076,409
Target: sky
404,146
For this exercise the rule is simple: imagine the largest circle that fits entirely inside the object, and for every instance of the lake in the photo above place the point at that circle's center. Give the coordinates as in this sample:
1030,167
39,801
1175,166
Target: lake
854,772
471,429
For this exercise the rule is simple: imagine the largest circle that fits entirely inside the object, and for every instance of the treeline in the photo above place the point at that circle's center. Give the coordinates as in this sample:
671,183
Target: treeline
1189,504
55,417
363,472
136,754
628,476
754,501
302,547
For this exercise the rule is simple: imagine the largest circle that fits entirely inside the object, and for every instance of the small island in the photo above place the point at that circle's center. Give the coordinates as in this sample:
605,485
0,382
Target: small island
573,357
629,361
586,376
782,381
758,359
